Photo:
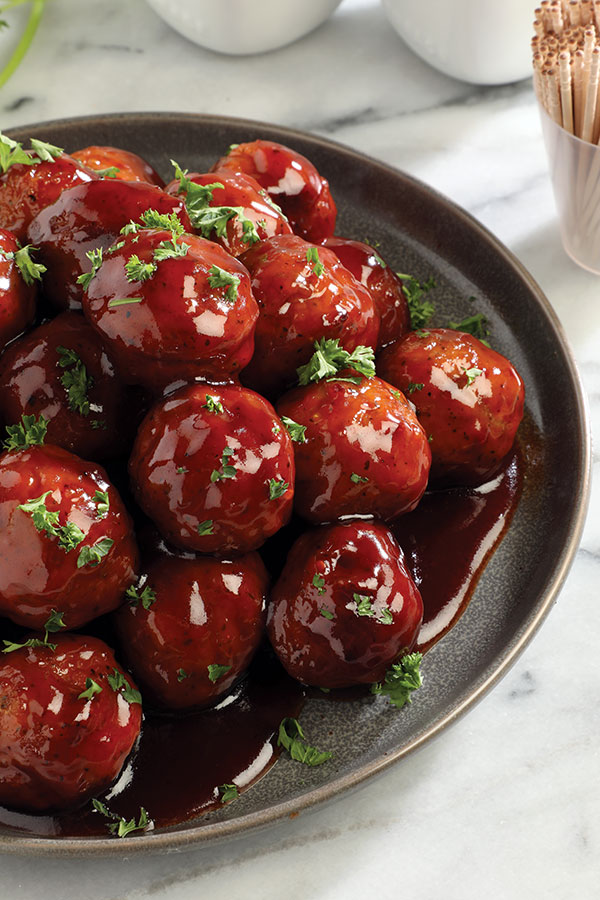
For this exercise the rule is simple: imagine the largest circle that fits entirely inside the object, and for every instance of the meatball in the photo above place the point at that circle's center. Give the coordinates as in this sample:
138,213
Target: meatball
27,188
303,293
66,540
345,606
384,285
213,467
247,214
84,220
291,181
363,453
170,307
468,398
192,626
17,290
61,371
113,162
69,717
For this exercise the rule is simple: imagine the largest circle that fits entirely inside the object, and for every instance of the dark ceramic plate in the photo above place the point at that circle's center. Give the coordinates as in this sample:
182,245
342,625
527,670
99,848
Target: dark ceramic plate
422,233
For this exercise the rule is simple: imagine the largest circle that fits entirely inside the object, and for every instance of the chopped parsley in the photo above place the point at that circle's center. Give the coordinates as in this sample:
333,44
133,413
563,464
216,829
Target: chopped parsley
326,613
364,607
222,278
277,488
358,479
45,152
53,624
91,689
319,582
170,249
215,671
401,680
414,386
181,674
146,596
228,792
110,172
45,520
205,527
227,471
291,738
95,257
12,153
181,470
475,325
123,301
92,556
102,502
136,270
30,270
212,404
421,310
329,358
312,256
75,381
121,827
120,685
296,432
472,374
30,432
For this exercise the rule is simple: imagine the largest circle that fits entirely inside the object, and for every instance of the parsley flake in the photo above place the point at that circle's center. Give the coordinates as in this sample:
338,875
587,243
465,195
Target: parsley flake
30,432
102,502
296,432
170,250
75,381
205,527
358,479
291,738
227,471
401,680
472,374
414,386
181,674
277,488
110,172
326,613
30,271
319,582
45,520
420,310
222,278
215,671
213,405
92,556
45,152
228,792
329,358
120,685
136,270
12,153
312,256
91,689
121,827
364,607
146,596
475,325
123,301
95,257
53,623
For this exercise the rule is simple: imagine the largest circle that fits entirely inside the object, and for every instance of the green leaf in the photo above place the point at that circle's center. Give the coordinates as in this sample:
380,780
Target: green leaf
358,479
329,358
136,270
54,622
30,432
12,153
296,432
215,671
170,250
227,471
364,607
213,405
120,685
205,527
151,218
228,792
123,301
319,582
475,325
102,502
91,556
121,826
472,374
222,278
326,613
30,270
10,646
421,310
69,536
91,689
277,488
291,738
312,256
95,257
42,518
181,674
75,381
145,596
414,386
110,172
45,152
401,680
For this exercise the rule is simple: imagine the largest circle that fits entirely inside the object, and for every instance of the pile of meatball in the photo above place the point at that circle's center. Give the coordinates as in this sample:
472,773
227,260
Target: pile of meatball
247,365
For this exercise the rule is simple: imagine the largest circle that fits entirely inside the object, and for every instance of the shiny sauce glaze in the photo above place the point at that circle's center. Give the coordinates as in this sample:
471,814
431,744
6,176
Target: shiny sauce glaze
181,760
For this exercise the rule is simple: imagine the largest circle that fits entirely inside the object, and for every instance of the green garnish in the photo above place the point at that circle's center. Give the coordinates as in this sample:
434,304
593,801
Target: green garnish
422,334
378,259
91,556
227,471
45,152
215,671
329,358
181,674
296,432
312,256
91,689
472,374
420,310
53,624
358,479
475,325
228,792
136,270
291,738
326,613
75,381
102,502
151,218
44,520
319,582
110,172
401,680
170,250
396,394
95,257
212,404
181,470
146,596
222,278
364,607
98,424
120,685
205,527
277,488
123,301
70,536
30,432
414,386
12,153
121,826
30,270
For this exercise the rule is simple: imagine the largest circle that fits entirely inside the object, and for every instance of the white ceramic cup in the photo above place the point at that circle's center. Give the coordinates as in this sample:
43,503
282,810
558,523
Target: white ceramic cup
480,41
243,26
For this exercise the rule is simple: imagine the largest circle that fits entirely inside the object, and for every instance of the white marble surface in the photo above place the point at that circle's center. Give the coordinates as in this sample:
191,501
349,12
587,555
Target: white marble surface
506,803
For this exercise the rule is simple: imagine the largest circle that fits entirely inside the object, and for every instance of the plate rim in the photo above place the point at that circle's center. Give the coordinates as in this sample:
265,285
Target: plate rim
181,837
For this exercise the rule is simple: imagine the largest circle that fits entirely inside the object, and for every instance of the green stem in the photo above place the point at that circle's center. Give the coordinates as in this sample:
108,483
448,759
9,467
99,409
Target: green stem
26,39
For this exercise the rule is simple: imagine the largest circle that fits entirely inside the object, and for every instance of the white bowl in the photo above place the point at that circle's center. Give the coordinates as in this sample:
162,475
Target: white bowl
243,26
480,41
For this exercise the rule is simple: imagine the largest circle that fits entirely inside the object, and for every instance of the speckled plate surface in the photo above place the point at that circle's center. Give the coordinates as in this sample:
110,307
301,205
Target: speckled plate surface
422,233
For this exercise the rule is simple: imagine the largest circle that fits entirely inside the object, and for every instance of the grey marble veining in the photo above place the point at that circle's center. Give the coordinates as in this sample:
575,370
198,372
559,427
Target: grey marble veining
506,803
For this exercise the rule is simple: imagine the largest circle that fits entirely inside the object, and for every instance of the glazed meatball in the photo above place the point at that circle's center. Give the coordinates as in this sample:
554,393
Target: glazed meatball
345,606
363,453
61,371
192,626
291,181
17,291
87,219
25,189
213,467
171,307
383,285
303,293
69,717
66,540
468,398
117,163
248,215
